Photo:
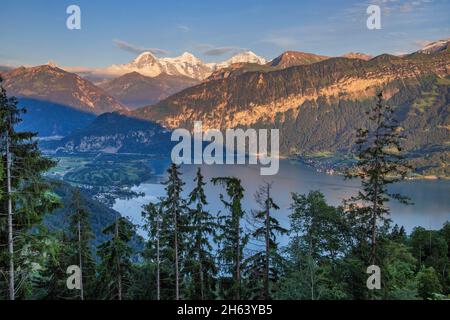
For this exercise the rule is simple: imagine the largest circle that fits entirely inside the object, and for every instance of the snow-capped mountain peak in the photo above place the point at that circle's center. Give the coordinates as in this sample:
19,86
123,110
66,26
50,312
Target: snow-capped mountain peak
244,57
144,59
145,55
188,56
248,57
52,64
184,65
435,46
187,65
146,64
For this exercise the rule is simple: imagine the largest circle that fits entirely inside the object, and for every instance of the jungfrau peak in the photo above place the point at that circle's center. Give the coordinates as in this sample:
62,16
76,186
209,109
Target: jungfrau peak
435,46
244,57
52,64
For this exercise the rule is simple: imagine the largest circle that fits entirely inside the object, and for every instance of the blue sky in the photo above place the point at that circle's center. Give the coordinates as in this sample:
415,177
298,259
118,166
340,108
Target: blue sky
34,32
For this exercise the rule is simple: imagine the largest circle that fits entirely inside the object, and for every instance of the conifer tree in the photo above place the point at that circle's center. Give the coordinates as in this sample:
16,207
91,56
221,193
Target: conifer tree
115,255
201,230
81,240
232,239
30,195
264,263
153,219
380,164
50,283
174,223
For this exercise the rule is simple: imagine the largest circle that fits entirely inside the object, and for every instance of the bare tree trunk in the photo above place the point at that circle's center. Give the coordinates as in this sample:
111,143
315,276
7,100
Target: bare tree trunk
238,261
373,247
375,197
10,222
119,276
266,271
80,259
311,269
158,285
200,267
374,225
177,284
202,287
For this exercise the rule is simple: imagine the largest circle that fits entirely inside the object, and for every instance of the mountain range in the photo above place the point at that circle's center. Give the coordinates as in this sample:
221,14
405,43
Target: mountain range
149,65
255,97
186,65
317,102
319,106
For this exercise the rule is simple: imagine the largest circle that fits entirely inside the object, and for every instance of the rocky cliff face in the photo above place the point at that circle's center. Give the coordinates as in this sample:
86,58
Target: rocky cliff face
256,97
318,107
295,58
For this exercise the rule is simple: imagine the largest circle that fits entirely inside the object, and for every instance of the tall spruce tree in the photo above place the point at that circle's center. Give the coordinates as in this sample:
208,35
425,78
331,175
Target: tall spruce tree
50,283
115,255
30,195
264,264
81,243
380,163
156,245
232,239
201,230
174,222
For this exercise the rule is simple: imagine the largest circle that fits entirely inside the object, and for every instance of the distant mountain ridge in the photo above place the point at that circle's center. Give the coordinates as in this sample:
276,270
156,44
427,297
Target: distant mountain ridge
319,106
286,60
435,46
357,55
116,133
295,58
136,90
52,84
256,96
57,102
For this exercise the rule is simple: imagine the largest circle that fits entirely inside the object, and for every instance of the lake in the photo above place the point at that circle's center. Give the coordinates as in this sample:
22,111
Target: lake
431,197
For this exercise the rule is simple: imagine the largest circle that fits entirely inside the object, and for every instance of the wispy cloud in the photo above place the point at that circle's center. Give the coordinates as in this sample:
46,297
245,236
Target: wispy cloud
400,6
183,28
281,41
221,51
136,49
212,51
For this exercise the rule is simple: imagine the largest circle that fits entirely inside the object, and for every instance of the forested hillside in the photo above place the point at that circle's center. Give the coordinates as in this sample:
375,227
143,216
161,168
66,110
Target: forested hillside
317,107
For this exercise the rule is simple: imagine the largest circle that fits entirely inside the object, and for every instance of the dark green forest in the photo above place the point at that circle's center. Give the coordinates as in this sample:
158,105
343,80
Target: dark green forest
192,253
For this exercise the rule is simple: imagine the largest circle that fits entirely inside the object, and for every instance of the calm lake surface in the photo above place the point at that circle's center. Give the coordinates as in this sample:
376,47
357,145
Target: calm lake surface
431,198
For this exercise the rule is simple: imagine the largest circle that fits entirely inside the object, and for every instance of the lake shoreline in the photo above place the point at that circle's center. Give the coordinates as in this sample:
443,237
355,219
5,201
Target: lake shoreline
430,210
321,167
